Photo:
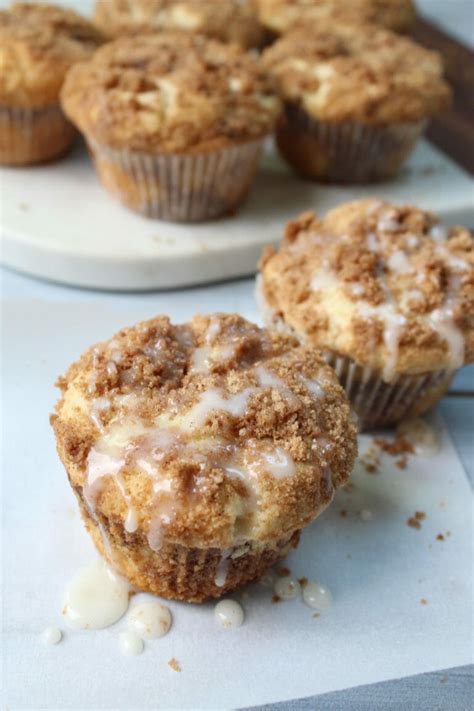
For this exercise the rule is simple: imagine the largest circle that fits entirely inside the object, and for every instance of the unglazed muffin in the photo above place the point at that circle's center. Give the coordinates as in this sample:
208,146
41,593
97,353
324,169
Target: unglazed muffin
386,293
198,452
280,16
225,20
38,44
357,97
174,121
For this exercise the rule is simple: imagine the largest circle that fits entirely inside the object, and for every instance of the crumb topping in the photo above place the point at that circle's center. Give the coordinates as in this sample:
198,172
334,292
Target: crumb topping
355,72
225,20
171,92
389,287
212,433
281,15
38,44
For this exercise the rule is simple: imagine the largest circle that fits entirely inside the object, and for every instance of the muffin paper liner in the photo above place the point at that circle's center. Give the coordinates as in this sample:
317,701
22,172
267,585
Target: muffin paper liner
30,136
344,152
178,187
378,403
177,572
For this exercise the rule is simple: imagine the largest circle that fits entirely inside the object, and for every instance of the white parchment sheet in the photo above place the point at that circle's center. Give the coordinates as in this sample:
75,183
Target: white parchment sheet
378,571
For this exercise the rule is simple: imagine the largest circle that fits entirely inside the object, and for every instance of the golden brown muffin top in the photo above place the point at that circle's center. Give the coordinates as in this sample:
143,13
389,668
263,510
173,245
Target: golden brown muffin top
279,16
215,432
352,72
225,20
171,92
387,286
38,44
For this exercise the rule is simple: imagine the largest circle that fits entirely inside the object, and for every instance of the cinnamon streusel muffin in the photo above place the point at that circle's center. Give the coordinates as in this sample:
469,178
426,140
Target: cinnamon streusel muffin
198,452
386,293
175,122
225,20
280,16
38,44
357,97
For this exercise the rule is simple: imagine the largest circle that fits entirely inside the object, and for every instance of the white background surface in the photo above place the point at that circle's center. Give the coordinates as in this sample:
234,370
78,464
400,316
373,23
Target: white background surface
377,629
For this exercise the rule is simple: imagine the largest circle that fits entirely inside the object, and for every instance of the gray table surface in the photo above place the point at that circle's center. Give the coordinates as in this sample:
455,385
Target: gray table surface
451,689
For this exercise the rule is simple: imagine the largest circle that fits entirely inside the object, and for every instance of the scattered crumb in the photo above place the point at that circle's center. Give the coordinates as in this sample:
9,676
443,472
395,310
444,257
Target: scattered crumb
316,614
423,601
303,582
415,521
440,537
401,463
284,572
395,447
174,664
275,599
343,513
370,460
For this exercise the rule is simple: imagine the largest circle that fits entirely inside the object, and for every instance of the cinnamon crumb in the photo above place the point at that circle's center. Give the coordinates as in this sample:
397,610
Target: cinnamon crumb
343,513
284,572
415,521
401,463
174,664
440,537
275,599
423,601
399,445
303,582
316,615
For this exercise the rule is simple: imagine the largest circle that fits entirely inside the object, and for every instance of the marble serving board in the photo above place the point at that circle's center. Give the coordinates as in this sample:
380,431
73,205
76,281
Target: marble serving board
402,597
58,223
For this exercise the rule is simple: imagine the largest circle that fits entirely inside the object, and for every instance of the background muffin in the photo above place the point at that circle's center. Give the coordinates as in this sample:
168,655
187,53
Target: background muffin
279,16
386,293
175,122
356,99
38,44
225,20
198,452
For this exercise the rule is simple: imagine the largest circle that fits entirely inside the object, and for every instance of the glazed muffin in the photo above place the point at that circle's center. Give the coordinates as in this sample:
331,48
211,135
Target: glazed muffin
280,16
225,20
357,97
198,452
175,122
386,293
38,44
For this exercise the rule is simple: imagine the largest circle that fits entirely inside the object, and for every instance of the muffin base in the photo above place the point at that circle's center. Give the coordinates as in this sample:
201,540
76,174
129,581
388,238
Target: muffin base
29,136
344,153
380,404
176,572
178,187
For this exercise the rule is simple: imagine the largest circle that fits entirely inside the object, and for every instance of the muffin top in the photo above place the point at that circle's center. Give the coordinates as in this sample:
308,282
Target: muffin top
387,286
349,72
281,15
38,44
171,92
212,433
225,20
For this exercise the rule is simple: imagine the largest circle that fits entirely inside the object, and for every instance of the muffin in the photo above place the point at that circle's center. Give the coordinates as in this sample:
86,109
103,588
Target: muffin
357,97
280,16
198,452
175,122
385,293
225,20
38,44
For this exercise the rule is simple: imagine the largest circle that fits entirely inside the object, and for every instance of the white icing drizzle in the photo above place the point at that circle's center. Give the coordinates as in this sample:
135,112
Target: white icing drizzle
316,595
229,614
51,635
223,568
399,263
95,598
287,588
131,521
150,620
130,644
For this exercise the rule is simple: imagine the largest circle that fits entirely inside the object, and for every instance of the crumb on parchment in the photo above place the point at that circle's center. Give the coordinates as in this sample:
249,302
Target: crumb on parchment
174,664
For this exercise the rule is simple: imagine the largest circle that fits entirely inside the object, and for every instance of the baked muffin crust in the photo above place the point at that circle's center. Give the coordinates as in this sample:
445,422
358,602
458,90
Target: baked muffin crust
387,286
225,20
38,44
281,15
357,72
170,92
213,433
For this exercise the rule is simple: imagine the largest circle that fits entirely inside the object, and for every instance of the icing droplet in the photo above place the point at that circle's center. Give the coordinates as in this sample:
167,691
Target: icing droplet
51,635
316,595
287,588
229,614
150,620
95,598
223,568
130,644
131,522
420,435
